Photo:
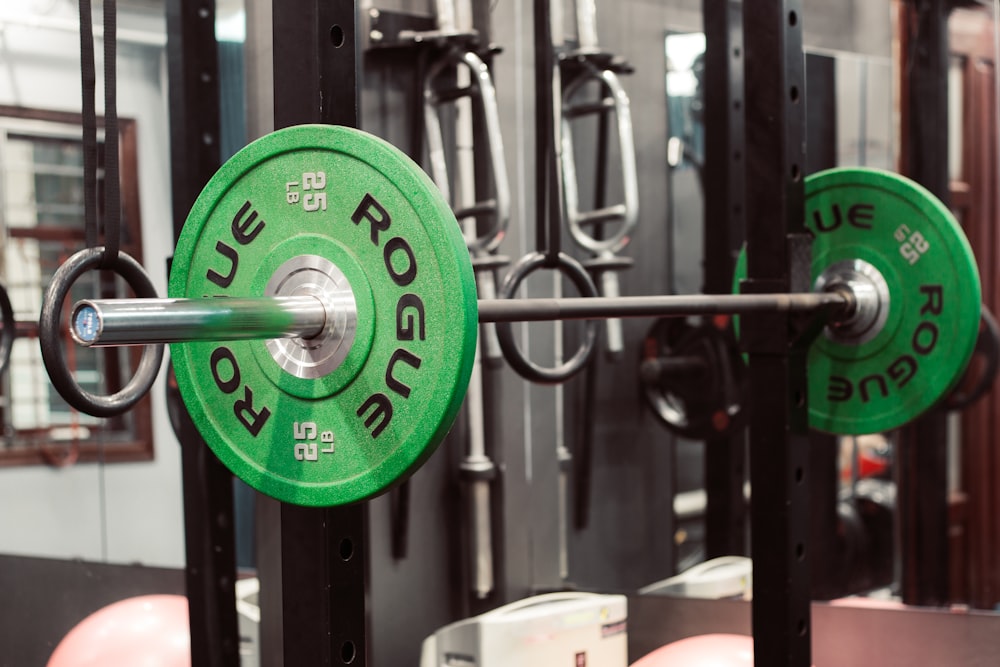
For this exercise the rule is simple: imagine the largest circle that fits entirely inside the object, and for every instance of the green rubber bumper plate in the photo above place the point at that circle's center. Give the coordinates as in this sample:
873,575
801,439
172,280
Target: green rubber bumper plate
325,205
928,331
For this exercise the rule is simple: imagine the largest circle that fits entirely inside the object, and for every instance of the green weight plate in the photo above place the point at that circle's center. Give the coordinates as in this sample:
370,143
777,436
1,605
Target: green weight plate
917,350
341,417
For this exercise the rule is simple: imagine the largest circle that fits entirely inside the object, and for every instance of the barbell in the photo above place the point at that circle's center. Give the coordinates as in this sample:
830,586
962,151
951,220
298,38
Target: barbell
323,313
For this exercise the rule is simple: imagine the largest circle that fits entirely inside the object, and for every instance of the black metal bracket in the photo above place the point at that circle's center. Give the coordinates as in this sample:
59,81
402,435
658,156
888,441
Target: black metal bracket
572,63
390,29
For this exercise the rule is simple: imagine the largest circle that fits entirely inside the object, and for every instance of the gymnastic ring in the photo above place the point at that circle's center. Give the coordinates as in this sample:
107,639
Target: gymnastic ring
50,339
524,367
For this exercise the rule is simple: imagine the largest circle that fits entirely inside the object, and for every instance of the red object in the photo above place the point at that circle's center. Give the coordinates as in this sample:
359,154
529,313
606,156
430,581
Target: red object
151,631
872,465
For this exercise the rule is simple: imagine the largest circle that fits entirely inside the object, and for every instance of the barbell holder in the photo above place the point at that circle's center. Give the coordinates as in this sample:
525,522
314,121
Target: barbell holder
111,322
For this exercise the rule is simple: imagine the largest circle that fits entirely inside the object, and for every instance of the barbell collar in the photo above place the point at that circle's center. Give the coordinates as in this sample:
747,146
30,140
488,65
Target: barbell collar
109,322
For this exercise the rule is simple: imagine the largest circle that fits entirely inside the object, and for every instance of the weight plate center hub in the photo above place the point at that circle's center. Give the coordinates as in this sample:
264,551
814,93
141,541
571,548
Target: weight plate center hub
320,355
871,300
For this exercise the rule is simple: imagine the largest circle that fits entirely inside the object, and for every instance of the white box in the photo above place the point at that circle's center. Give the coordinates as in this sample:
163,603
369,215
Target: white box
553,630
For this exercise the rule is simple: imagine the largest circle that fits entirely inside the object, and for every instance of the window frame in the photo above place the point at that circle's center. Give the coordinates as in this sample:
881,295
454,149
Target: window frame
105,442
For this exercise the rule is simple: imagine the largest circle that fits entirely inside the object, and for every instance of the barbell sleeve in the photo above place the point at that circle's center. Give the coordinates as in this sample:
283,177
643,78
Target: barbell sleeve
108,322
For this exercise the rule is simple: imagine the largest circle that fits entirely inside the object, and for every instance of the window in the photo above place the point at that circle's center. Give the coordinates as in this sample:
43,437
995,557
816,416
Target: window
41,224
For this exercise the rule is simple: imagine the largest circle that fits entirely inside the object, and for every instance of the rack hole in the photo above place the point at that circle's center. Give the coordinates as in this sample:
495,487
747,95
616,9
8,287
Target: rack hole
800,475
800,552
793,19
796,173
794,93
800,396
802,627
348,652
337,36
346,549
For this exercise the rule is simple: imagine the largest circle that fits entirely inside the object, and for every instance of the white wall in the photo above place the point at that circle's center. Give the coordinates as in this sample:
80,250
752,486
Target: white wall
60,513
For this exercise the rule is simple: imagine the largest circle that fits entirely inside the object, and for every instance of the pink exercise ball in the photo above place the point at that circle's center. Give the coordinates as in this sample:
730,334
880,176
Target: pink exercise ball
718,650
146,631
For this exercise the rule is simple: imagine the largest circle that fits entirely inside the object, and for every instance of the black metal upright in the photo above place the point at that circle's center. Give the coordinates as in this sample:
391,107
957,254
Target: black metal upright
922,450
827,552
324,552
778,261
193,70
723,178
210,548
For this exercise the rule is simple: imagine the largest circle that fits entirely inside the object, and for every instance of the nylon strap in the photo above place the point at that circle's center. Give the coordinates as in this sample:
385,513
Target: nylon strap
112,186
89,82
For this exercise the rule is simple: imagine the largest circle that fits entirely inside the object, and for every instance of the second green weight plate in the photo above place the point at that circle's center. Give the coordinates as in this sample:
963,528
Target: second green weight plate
925,338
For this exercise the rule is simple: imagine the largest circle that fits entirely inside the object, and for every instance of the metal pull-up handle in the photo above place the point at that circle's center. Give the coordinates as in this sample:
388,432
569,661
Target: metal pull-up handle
583,224
481,88
626,213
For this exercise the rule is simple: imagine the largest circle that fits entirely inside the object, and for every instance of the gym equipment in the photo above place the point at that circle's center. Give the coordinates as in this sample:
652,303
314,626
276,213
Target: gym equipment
907,343
553,629
714,579
344,219
472,95
548,253
693,377
50,335
866,535
150,630
106,257
480,90
978,379
585,65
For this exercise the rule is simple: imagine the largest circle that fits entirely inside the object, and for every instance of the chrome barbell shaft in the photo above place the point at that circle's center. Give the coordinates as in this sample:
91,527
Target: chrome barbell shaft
107,322
100,323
